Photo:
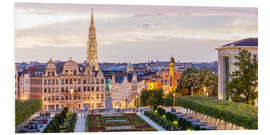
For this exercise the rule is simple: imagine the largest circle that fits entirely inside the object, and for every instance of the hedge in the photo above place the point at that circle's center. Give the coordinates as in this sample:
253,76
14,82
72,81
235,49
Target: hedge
24,109
236,113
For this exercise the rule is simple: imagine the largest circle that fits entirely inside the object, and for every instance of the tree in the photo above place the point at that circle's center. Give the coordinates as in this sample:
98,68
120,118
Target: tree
188,80
168,100
195,80
244,81
210,81
145,94
156,98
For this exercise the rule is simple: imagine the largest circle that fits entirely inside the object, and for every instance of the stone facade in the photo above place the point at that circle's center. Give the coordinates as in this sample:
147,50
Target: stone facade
73,88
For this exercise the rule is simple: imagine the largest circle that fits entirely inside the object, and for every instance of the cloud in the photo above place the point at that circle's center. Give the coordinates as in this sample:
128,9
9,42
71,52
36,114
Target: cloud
66,25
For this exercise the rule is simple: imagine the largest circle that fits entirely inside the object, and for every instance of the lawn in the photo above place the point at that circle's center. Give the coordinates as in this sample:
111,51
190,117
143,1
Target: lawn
117,123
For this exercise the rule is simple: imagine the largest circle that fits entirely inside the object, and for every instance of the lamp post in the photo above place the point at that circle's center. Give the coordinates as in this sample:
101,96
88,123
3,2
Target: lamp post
139,102
204,91
136,101
174,100
71,92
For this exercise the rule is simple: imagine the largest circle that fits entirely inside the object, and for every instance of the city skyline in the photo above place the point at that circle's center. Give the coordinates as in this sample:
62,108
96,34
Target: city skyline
155,32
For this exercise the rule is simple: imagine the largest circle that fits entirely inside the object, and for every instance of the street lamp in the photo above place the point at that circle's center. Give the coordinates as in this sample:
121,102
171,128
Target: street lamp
139,101
71,92
204,91
174,100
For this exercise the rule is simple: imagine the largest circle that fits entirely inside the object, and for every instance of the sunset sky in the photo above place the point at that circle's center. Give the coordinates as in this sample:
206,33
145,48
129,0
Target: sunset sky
129,33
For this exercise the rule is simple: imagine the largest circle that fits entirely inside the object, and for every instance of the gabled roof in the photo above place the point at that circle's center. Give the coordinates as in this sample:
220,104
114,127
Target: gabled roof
244,42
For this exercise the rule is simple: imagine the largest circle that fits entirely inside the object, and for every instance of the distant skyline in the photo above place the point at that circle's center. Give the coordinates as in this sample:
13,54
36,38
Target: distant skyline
128,33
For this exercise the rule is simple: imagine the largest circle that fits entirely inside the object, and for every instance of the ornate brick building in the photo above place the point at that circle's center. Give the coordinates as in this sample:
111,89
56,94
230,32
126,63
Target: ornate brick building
66,84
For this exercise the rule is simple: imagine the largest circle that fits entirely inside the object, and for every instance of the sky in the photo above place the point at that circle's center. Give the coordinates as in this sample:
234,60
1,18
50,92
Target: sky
128,33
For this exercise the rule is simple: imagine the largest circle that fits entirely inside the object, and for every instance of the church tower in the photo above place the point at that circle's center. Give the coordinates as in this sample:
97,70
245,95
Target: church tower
171,87
92,56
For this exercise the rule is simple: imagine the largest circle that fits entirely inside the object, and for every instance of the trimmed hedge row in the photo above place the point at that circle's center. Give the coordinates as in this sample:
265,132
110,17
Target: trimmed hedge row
239,114
169,121
63,122
24,109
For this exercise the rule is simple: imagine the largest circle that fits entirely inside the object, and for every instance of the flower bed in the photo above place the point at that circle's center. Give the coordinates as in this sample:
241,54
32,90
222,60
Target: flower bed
117,123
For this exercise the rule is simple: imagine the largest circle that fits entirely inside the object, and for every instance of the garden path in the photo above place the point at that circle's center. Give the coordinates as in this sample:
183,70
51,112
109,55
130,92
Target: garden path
152,123
80,123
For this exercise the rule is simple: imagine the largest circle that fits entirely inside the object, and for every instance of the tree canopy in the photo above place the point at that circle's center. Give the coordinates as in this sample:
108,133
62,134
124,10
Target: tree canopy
244,81
194,80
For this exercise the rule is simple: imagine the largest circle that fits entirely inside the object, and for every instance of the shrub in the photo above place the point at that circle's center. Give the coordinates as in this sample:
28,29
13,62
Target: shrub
239,114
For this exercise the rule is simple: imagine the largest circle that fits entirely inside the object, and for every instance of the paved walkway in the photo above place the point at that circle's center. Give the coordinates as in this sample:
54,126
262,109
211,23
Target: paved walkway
80,123
152,123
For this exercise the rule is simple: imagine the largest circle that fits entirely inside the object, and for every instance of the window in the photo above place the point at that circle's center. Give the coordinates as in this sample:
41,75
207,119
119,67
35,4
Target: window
92,88
45,82
84,81
79,81
62,89
66,97
56,81
97,81
66,82
45,98
254,56
53,81
62,98
79,89
49,90
70,81
88,88
102,81
88,81
62,81
53,90
66,89
57,90
49,81
97,88
49,73
97,96
57,98
75,81
84,89
74,72
102,88
52,73
45,90
92,81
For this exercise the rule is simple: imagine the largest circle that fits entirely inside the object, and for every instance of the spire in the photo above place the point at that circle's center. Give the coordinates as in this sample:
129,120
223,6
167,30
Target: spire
92,58
92,19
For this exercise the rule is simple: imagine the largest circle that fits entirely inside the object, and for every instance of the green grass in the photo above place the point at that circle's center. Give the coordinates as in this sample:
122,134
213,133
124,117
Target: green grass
24,109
